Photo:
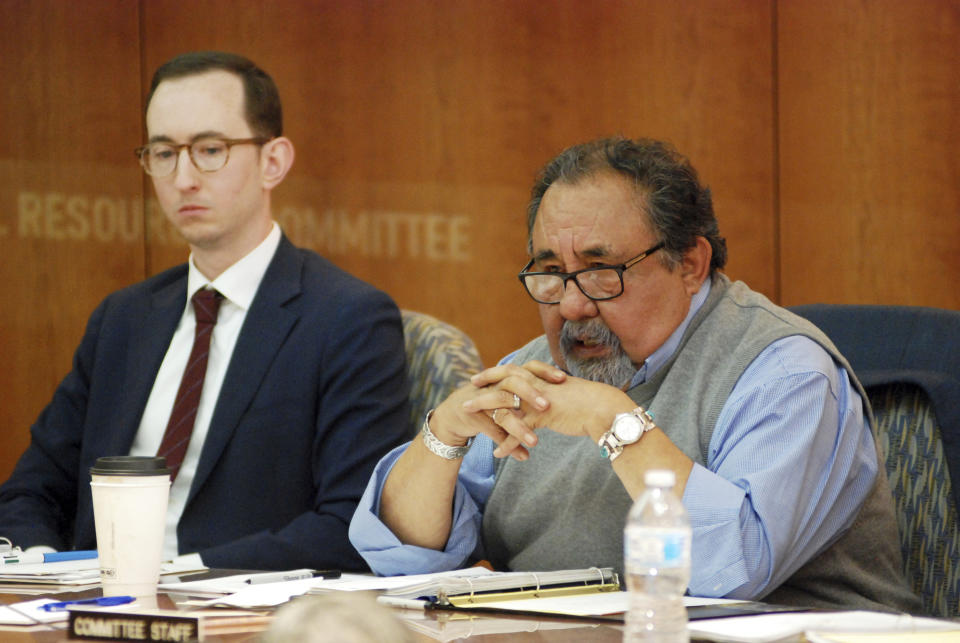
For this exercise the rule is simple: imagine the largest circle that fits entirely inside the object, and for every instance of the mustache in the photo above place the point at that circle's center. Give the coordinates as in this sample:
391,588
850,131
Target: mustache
592,331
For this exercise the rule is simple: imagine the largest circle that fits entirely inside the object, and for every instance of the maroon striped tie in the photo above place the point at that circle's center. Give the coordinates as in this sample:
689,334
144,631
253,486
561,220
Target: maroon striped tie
206,303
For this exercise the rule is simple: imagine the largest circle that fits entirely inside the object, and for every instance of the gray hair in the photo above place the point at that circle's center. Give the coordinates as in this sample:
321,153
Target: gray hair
337,617
677,206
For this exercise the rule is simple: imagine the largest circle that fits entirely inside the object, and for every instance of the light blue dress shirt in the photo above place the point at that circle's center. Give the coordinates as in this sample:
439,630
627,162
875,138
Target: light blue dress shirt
791,461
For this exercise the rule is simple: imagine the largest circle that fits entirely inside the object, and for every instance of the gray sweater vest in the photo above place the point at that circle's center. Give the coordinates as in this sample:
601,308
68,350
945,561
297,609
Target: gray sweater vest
566,508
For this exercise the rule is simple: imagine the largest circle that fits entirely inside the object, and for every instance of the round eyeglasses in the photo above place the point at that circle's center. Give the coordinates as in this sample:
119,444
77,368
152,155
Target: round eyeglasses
599,283
207,154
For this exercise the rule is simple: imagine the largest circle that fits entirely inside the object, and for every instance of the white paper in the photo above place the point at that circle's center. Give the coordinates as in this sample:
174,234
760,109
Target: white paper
66,572
178,566
70,572
59,568
363,582
230,584
30,613
273,594
773,627
951,636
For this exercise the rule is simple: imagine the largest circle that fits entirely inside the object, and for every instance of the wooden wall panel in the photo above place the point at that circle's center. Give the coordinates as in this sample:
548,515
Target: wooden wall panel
419,126
828,131
869,132
70,191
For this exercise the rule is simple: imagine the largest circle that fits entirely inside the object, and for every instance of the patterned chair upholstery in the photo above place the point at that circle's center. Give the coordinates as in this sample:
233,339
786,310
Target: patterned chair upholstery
912,444
908,359
440,359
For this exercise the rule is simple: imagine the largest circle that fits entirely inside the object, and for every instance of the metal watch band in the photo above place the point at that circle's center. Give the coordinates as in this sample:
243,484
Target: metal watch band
436,446
611,447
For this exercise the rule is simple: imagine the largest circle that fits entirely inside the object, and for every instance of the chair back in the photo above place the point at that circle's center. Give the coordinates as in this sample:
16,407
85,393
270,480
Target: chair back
908,359
440,359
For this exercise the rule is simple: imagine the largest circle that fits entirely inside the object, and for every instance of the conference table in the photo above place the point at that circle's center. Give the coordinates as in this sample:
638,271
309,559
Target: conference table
444,626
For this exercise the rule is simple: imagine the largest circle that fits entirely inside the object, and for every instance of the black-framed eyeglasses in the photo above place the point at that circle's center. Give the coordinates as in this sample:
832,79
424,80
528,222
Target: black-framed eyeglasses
599,283
207,154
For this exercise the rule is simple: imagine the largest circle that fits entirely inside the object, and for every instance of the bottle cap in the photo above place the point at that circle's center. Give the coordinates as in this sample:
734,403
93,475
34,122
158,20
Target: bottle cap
659,478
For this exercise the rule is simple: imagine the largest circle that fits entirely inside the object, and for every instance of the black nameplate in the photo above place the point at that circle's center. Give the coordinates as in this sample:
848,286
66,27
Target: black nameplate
91,625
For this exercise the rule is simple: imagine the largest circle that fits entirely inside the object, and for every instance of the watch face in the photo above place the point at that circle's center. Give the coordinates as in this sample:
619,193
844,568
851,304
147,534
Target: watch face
627,428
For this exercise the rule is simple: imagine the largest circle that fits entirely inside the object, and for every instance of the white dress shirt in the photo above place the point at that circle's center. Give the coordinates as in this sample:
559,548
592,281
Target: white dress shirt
238,284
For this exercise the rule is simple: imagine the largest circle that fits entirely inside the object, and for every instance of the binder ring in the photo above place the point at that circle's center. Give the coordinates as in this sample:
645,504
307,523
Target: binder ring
600,572
536,592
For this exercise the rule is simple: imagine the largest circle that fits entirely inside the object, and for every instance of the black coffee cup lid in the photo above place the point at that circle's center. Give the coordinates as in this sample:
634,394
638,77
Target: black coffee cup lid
130,465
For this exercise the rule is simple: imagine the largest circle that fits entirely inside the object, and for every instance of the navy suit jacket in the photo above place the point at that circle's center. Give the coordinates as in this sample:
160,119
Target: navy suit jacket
315,393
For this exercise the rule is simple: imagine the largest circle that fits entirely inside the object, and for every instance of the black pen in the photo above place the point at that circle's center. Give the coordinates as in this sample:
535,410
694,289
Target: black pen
300,574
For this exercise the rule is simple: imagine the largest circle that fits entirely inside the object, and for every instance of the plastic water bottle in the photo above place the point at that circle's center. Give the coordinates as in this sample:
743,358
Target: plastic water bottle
657,561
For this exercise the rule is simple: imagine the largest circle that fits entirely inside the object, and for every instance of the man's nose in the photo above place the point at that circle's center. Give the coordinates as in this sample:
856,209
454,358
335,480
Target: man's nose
185,174
574,305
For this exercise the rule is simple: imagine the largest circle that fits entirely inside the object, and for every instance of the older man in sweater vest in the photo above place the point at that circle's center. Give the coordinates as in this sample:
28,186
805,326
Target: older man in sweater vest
761,419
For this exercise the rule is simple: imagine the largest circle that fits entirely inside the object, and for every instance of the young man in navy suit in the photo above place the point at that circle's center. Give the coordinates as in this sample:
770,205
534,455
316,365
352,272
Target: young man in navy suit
304,387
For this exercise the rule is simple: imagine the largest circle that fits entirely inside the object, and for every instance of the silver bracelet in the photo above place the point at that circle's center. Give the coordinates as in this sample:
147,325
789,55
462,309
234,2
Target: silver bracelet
436,446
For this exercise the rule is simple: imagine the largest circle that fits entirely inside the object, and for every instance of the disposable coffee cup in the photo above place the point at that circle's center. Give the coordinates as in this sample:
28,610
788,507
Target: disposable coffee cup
129,511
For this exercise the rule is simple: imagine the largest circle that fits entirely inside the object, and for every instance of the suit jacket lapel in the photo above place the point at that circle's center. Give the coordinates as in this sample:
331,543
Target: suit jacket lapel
266,327
156,320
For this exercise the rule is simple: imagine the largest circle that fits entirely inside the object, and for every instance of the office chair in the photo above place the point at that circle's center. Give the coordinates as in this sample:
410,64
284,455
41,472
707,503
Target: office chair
908,360
440,359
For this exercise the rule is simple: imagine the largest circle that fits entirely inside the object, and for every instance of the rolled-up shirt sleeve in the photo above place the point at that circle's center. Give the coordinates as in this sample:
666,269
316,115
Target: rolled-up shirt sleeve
791,461
384,552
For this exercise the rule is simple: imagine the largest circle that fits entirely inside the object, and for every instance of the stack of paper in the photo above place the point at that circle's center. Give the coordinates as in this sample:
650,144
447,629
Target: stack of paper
41,577
273,594
446,589
399,588
249,595
68,575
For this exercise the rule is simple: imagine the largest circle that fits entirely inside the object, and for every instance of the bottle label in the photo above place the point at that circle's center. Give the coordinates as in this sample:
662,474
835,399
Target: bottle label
658,547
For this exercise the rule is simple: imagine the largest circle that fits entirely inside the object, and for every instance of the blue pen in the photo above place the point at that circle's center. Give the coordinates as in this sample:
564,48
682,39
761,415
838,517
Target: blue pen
104,601
32,558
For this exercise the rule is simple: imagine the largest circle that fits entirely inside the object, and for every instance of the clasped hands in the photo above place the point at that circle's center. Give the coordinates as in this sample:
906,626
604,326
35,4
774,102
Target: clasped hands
548,398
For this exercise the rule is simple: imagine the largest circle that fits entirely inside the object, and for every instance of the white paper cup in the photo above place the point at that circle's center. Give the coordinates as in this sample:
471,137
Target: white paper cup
129,509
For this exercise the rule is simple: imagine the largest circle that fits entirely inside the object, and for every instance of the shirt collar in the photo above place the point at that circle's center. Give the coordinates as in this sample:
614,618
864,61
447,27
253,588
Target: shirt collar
239,282
660,356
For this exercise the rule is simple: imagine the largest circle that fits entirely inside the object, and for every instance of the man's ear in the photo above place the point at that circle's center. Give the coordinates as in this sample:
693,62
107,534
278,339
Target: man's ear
695,266
276,159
